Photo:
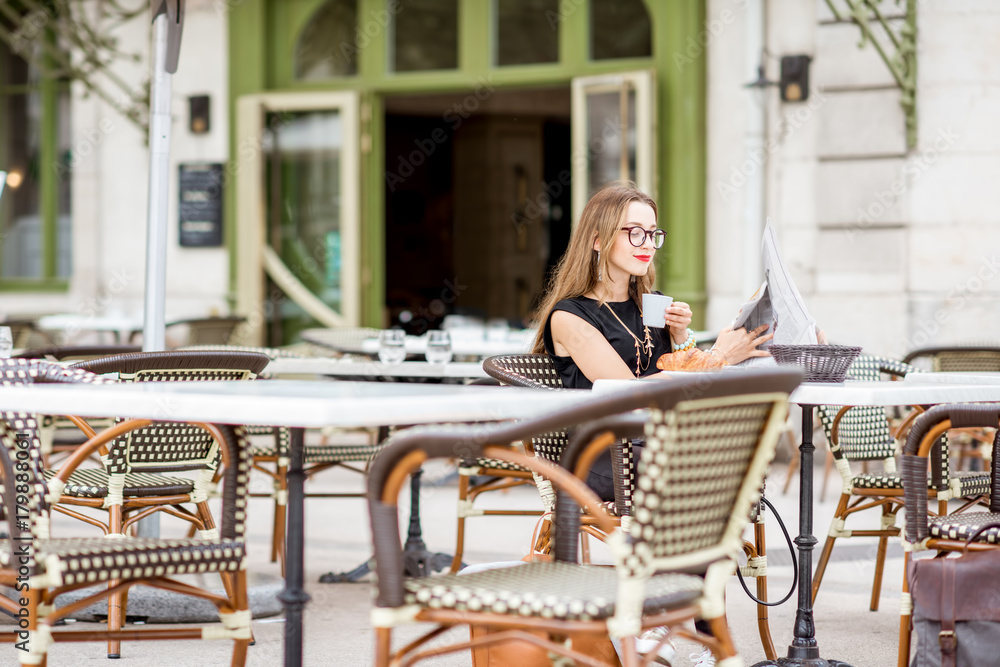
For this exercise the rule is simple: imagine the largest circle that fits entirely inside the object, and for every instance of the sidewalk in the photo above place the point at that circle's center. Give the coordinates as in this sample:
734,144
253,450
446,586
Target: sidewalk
337,630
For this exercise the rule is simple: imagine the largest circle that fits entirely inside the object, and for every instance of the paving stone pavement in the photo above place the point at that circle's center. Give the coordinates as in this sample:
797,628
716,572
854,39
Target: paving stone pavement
337,631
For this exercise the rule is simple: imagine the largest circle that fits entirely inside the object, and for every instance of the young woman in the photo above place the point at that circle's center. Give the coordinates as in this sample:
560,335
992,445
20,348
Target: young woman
591,321
591,318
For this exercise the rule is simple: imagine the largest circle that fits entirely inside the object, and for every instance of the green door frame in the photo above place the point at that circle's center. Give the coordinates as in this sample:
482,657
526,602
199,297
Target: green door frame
261,47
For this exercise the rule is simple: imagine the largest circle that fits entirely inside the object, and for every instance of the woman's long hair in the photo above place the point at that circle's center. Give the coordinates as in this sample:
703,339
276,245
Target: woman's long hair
576,273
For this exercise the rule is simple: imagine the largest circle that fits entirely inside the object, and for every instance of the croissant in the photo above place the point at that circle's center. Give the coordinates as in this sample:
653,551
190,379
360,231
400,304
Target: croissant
690,360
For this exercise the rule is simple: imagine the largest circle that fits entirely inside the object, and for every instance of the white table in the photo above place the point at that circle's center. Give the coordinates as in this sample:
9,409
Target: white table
375,369
298,404
516,342
121,326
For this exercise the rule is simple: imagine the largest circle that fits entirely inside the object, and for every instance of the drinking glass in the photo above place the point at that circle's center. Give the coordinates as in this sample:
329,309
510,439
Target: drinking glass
392,346
496,330
6,342
438,347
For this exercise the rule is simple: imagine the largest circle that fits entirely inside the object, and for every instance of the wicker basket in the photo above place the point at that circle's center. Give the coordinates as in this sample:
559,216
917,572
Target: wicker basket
822,363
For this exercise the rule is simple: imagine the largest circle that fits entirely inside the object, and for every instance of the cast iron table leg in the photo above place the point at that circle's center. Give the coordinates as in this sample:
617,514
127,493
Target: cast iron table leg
294,597
417,560
804,651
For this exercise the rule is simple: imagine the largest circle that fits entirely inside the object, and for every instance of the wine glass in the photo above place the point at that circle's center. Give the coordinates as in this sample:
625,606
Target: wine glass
438,347
392,346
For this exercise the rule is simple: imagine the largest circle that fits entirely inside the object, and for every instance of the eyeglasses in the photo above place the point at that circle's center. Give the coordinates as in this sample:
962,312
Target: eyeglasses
637,236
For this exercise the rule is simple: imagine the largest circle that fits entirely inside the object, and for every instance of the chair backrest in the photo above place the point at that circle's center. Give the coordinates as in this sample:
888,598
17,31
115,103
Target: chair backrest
972,356
168,446
346,340
76,352
537,372
210,330
701,471
863,433
20,444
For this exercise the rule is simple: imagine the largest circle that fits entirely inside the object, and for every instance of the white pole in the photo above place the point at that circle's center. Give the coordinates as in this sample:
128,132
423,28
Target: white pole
753,144
153,337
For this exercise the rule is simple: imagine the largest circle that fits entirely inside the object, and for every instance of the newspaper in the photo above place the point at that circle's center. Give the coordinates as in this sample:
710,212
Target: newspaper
776,303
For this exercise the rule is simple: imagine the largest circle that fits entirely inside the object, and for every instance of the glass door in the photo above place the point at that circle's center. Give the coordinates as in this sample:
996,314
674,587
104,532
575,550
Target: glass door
298,211
613,133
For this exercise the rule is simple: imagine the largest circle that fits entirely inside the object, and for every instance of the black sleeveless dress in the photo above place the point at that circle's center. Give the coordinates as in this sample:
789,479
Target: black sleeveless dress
601,319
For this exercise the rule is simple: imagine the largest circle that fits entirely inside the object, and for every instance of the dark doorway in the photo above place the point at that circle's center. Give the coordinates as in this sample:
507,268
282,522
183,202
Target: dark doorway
477,199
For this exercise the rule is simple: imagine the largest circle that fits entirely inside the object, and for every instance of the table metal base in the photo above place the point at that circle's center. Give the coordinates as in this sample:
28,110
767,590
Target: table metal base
804,651
417,560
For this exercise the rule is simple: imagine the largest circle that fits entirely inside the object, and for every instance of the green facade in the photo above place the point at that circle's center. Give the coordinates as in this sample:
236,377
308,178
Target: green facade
262,38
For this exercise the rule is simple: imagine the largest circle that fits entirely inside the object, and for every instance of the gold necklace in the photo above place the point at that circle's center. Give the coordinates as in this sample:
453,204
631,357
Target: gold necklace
647,345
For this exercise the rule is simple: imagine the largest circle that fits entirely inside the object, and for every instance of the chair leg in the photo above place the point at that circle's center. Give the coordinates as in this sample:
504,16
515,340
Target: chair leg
630,657
116,618
903,656
763,626
883,542
383,646
280,516
826,475
584,548
824,558
463,494
720,630
242,603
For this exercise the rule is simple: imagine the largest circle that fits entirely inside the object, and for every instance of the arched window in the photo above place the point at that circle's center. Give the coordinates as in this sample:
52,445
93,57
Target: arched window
327,47
620,29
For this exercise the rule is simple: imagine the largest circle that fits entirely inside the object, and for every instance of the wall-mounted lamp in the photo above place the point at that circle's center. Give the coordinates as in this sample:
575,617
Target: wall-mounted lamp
794,83
198,112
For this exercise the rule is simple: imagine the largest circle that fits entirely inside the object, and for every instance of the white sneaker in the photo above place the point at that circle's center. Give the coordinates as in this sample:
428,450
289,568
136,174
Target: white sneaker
648,641
703,659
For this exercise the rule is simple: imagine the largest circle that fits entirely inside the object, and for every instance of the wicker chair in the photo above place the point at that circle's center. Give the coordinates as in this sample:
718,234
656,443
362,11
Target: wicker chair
132,483
519,370
942,533
537,370
59,565
860,434
965,357
343,340
272,458
707,446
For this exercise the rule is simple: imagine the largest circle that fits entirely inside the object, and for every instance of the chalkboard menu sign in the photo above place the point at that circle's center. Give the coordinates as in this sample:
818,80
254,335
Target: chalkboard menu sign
201,205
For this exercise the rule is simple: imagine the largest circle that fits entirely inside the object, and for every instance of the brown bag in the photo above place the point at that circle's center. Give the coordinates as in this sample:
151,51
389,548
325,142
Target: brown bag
522,654
955,610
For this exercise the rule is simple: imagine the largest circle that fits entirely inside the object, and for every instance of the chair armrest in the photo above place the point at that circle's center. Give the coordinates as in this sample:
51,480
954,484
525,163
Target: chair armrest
923,437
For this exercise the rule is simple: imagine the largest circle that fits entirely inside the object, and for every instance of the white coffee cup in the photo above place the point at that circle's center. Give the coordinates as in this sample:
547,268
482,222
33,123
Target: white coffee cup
654,308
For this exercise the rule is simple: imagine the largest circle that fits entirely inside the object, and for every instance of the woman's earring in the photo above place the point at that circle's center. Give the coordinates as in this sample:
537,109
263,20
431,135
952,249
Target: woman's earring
599,277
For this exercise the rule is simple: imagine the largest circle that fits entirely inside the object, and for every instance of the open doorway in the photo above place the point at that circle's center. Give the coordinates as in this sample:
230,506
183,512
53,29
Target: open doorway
477,201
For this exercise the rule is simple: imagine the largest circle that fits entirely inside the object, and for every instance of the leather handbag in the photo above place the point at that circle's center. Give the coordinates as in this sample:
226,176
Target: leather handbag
956,608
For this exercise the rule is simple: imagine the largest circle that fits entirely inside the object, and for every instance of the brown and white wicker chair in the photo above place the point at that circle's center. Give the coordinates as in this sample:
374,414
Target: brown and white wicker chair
271,456
946,533
57,565
140,467
537,370
343,340
982,356
863,434
479,475
707,447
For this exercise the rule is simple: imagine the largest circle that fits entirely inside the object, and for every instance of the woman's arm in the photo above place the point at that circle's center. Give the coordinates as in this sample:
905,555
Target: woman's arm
574,337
